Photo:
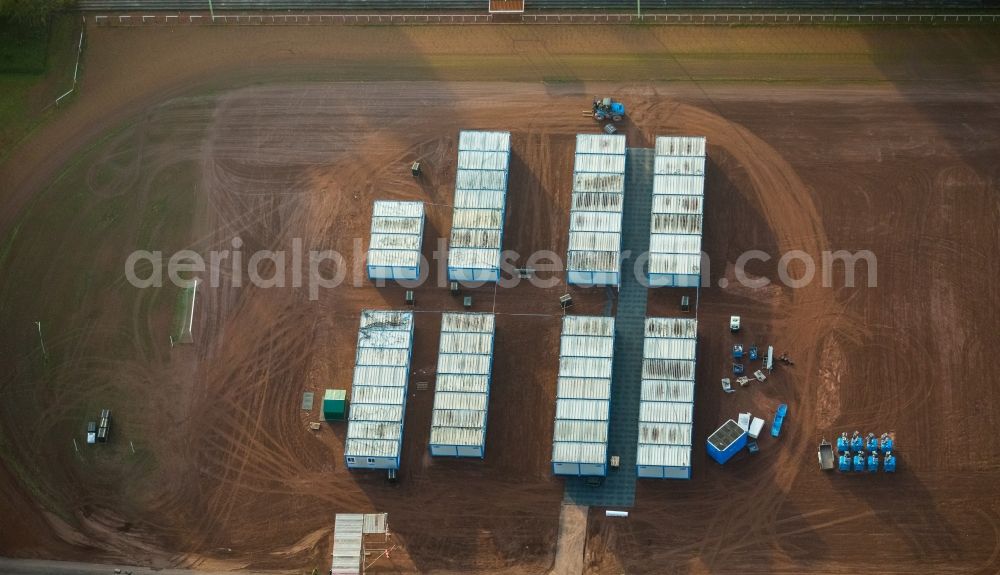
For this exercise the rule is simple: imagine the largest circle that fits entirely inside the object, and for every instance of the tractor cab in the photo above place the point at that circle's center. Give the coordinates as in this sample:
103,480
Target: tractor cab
608,109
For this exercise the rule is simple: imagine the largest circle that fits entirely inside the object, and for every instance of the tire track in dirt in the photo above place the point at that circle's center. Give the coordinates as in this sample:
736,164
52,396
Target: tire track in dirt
786,205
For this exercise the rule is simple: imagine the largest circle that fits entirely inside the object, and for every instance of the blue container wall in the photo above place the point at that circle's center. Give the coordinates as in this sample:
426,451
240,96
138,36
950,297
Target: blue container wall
580,469
677,473
444,450
393,273
473,274
673,280
565,468
458,451
361,462
593,279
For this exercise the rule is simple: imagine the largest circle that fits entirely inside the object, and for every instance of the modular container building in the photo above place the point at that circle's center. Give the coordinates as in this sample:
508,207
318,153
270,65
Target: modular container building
479,208
595,218
726,441
348,544
462,391
677,215
397,234
378,395
583,396
666,404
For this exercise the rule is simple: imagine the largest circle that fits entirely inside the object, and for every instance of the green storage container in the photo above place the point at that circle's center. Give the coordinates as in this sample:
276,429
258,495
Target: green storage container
335,404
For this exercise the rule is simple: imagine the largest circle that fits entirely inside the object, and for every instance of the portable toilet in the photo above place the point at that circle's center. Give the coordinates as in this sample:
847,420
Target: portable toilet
859,461
738,351
844,462
889,463
857,442
872,462
872,442
334,404
887,442
843,444
726,441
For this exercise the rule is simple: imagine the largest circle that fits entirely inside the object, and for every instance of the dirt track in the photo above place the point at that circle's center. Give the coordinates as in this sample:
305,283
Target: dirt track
225,460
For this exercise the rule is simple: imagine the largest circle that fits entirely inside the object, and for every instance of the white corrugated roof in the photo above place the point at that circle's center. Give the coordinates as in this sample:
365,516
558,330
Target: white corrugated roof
666,406
461,394
678,208
348,543
596,209
349,530
378,394
480,200
376,523
667,390
664,455
396,235
483,141
595,452
680,146
583,389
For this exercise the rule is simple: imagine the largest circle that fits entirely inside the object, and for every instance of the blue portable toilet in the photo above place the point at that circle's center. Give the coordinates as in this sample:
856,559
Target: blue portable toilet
889,463
844,462
887,443
857,442
726,441
843,444
872,462
738,351
737,369
754,352
872,442
859,461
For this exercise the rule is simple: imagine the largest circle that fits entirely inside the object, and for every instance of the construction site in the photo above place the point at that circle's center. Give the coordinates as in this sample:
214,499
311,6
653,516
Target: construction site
584,323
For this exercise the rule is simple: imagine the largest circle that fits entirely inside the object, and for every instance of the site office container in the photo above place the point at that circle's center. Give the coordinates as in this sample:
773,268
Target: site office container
379,391
462,389
677,212
667,394
583,395
480,206
594,252
394,248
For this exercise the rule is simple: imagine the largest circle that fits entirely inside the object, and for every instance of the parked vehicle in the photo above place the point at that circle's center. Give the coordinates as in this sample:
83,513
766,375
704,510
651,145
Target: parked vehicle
825,454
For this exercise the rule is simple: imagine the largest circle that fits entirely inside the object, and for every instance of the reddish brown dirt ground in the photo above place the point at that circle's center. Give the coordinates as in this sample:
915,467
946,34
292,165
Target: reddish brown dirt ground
901,162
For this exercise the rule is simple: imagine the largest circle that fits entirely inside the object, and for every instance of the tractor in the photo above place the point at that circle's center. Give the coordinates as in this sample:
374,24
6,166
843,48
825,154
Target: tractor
608,109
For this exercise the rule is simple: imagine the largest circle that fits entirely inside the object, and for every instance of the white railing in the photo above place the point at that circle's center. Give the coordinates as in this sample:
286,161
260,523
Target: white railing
748,18
289,19
363,19
76,67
